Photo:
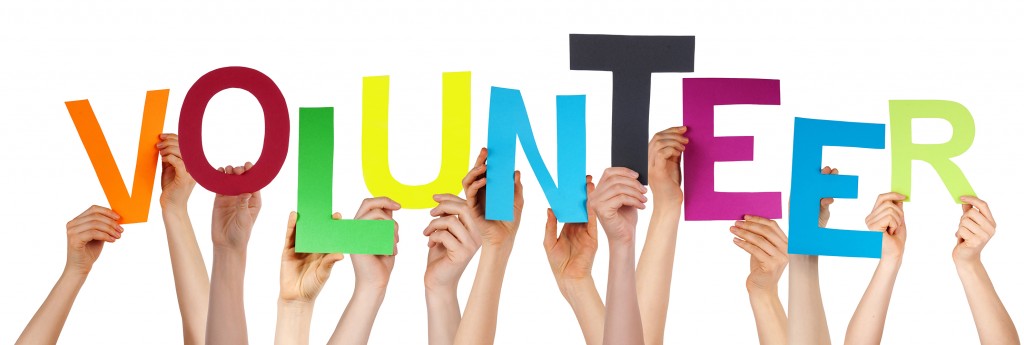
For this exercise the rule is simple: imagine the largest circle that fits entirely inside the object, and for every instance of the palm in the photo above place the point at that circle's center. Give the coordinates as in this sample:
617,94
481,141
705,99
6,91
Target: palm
373,269
573,253
234,218
761,275
90,251
494,231
443,265
300,278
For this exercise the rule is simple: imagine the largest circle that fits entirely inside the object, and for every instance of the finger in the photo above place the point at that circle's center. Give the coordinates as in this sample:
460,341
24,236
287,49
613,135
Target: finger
965,234
95,225
625,181
166,136
769,231
174,161
475,187
474,174
626,200
756,239
444,238
101,210
550,230
754,251
627,190
94,235
971,226
96,217
453,226
336,216
975,215
450,206
617,171
289,234
826,170
374,214
888,197
240,170
980,204
827,201
378,203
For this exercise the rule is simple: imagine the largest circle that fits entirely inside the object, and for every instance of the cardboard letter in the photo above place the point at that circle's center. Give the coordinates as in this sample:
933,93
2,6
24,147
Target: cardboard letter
700,96
316,231
275,137
507,120
455,105
809,186
631,59
938,155
133,208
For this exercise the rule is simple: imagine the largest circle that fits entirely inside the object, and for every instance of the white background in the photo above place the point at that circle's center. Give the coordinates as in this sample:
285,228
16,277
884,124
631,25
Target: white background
836,60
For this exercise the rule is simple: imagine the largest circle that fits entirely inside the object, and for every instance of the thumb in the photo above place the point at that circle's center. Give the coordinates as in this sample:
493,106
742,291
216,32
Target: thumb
550,230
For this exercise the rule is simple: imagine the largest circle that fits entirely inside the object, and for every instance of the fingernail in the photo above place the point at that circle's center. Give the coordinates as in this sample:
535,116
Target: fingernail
732,229
735,240
746,217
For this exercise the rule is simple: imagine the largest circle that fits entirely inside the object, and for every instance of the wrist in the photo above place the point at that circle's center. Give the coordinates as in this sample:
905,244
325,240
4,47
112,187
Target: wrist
761,292
967,265
667,197
75,274
294,307
369,293
570,288
501,249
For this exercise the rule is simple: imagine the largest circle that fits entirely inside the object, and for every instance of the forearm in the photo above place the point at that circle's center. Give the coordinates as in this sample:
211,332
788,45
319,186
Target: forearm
769,316
481,316
191,282
47,323
586,303
990,316
654,271
807,323
225,323
622,321
357,320
293,319
443,314
868,320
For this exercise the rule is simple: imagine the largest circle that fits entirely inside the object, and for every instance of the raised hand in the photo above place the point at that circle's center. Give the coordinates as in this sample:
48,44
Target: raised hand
977,226
497,238
375,270
868,320
571,256
571,252
768,247
233,219
453,240
887,217
303,275
175,181
616,200
493,232
234,216
654,270
86,235
663,158
191,282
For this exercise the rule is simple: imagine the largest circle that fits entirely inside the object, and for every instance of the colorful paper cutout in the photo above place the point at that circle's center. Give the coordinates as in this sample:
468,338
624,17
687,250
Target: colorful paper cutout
507,120
938,155
809,186
700,96
275,137
455,121
316,231
132,208
632,60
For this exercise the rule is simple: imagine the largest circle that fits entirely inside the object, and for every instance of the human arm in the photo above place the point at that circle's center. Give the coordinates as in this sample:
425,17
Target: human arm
191,282
977,226
807,323
768,246
303,276
868,320
654,270
86,235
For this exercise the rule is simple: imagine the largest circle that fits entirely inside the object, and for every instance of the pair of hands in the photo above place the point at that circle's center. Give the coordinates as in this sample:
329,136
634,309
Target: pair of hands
303,275
460,227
